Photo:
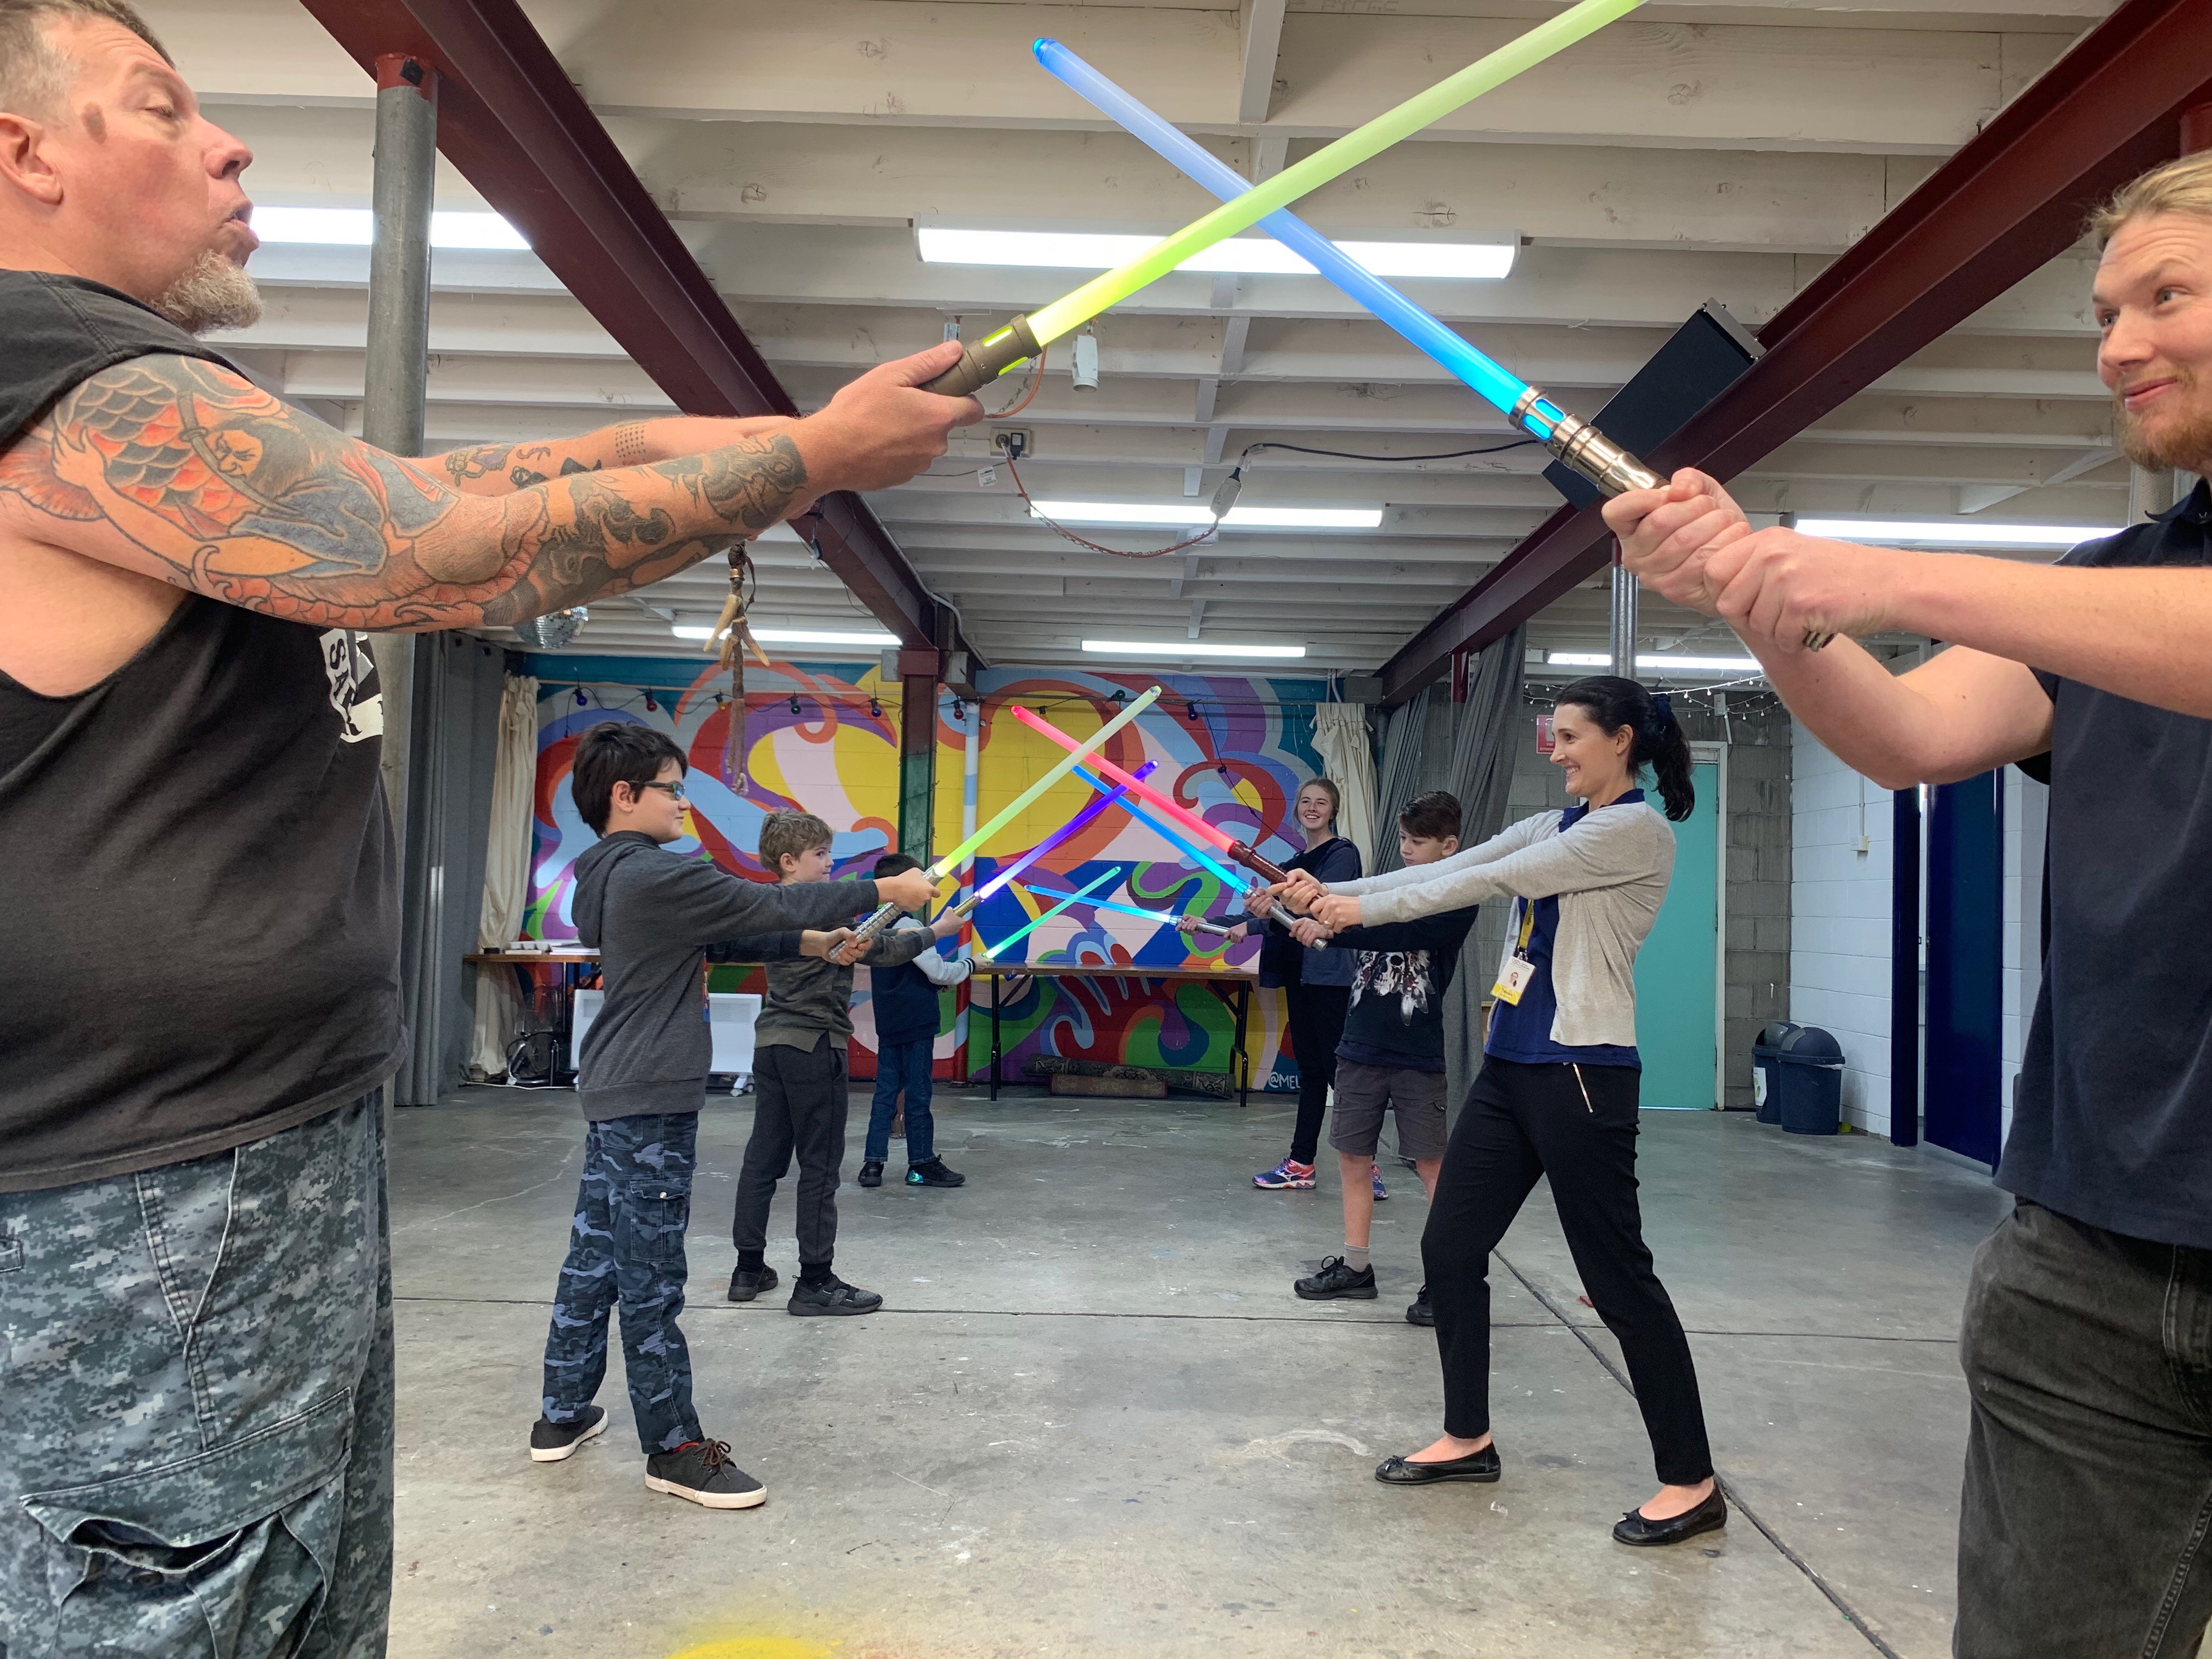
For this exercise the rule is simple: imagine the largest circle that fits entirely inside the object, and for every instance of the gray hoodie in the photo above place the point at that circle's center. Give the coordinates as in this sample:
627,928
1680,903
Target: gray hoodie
655,919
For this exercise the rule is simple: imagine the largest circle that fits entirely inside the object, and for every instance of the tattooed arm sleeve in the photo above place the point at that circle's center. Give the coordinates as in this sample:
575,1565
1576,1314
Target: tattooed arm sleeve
176,468
501,469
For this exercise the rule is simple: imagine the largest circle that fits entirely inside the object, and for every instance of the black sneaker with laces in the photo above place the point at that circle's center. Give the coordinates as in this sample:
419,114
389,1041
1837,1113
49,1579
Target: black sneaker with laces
701,1472
552,1443
871,1173
746,1283
934,1174
1337,1278
831,1295
1421,1312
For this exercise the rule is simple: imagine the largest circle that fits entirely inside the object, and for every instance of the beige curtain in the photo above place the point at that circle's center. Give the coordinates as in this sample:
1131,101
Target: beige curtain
1348,759
506,874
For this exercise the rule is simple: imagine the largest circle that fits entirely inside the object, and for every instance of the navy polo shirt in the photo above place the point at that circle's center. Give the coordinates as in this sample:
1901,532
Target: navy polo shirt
2112,1124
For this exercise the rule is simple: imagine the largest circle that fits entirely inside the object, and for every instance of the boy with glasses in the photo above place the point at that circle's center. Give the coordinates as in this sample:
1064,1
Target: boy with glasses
657,918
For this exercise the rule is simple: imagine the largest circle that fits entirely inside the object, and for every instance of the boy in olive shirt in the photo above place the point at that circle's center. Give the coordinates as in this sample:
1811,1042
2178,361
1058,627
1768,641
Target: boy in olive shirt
799,1072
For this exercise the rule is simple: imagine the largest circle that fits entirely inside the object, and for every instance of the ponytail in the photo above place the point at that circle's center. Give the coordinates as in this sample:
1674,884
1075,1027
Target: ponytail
1613,702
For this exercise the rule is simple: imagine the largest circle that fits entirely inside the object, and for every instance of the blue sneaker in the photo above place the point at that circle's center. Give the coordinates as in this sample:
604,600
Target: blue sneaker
1289,1175
1381,1191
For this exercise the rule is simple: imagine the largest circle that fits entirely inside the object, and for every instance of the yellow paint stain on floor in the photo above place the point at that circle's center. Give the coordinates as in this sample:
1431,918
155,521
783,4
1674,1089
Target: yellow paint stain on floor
756,1647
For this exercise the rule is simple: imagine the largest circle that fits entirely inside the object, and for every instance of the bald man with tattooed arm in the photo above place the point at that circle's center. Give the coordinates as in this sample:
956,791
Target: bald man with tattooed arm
196,864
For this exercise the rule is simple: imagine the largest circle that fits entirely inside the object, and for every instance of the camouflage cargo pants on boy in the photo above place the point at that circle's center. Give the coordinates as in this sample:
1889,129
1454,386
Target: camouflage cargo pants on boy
626,1247
196,1405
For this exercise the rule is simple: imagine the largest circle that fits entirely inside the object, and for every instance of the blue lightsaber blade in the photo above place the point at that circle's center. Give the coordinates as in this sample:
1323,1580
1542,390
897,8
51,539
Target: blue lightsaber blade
1165,917
1574,440
1206,860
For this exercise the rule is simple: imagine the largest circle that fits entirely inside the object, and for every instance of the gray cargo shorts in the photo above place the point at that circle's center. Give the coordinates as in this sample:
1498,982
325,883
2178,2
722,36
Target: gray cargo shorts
1365,1092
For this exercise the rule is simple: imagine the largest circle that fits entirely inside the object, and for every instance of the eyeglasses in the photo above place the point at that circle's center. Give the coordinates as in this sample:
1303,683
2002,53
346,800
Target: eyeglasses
675,790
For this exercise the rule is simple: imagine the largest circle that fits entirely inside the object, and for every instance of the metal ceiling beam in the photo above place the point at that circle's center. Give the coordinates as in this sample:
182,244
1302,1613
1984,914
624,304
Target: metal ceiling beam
2013,196
521,132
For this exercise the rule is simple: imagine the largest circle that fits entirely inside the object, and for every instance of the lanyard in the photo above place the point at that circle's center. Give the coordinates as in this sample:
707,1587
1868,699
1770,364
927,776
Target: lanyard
1528,926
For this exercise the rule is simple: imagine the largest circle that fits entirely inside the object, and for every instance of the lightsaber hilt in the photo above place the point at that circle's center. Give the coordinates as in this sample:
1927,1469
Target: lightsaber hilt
870,930
1259,866
1581,446
1212,927
987,358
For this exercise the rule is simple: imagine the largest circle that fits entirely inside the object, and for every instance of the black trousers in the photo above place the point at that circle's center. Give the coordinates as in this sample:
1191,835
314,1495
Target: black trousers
1316,1022
800,1106
2088,1496
1577,1125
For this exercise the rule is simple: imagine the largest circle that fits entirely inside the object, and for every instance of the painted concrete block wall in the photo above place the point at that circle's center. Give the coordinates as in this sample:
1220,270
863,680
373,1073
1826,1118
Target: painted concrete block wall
1840,918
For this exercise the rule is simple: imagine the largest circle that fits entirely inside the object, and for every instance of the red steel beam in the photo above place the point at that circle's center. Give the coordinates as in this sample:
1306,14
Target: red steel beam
2013,198
521,132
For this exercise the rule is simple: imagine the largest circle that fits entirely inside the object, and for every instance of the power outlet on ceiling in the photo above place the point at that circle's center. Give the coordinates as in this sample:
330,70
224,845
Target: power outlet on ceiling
1013,442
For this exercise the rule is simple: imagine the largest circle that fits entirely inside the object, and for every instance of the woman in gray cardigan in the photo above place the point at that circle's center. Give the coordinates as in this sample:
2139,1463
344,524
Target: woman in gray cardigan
1557,1094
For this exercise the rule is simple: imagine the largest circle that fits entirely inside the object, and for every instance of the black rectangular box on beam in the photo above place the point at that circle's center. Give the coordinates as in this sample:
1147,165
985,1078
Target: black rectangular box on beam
1699,361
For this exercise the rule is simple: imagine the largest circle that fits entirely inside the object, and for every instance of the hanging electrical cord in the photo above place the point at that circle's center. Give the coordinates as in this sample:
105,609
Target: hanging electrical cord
1037,379
1065,534
1348,455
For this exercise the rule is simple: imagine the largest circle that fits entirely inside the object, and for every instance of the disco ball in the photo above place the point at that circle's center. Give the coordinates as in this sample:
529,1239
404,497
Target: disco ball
554,629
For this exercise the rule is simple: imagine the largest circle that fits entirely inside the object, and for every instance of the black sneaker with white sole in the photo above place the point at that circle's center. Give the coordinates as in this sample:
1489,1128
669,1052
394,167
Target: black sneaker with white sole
831,1295
1337,1278
701,1472
550,1443
746,1283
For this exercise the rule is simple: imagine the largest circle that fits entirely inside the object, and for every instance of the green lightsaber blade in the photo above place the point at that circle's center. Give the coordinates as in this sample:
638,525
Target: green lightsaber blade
1026,336
1077,897
952,860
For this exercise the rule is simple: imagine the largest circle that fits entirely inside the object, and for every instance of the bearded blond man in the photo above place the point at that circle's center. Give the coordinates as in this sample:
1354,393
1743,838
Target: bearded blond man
2086,1524
196,1360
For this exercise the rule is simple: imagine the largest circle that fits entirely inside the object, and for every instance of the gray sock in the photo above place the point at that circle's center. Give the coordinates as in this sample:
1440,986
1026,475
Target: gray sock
1355,1257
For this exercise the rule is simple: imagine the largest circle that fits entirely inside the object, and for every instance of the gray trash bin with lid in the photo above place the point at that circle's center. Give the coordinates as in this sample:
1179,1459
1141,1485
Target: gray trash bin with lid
1765,1085
1809,1067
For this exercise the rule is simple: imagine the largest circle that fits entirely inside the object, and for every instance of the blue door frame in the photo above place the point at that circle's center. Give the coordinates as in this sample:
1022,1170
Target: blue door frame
1965,967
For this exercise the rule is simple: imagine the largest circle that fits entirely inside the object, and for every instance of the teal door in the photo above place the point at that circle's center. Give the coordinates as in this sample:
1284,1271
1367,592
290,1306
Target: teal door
1676,972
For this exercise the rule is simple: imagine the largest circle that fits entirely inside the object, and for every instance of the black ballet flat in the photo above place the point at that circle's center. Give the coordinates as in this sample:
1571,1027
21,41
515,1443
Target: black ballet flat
1634,1527
1475,1466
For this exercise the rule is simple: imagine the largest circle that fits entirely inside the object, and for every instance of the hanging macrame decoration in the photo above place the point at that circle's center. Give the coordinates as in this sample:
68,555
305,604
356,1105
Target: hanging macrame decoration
731,638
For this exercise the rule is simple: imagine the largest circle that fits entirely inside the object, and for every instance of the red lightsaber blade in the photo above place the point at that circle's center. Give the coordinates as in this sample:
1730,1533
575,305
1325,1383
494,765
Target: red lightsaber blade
1182,815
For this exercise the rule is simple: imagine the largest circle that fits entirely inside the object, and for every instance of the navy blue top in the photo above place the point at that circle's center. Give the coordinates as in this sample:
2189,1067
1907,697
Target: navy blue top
2112,1124
1521,1030
1283,960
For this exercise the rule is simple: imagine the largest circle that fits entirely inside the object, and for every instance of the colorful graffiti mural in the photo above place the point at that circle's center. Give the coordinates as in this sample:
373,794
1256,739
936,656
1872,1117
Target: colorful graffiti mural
1233,749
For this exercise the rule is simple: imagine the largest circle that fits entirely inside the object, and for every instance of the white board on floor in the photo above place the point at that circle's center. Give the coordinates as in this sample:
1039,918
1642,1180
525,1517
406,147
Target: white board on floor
730,1019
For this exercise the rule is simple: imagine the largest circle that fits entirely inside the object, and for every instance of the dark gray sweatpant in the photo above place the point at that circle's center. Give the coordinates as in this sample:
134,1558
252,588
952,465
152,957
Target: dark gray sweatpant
2084,1528
196,1405
799,1107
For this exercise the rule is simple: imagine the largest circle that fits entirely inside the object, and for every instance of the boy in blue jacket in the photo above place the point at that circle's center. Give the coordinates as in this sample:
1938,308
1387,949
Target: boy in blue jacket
905,998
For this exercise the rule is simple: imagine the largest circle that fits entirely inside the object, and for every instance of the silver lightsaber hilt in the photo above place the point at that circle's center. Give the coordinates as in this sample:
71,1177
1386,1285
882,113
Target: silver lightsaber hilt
1605,463
870,930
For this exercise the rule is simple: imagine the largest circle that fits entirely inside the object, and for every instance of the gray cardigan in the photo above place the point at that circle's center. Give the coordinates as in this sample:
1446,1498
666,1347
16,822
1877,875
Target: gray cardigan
1609,873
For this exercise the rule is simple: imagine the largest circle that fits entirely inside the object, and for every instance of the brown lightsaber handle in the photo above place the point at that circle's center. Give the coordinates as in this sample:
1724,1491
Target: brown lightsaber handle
984,361
1274,873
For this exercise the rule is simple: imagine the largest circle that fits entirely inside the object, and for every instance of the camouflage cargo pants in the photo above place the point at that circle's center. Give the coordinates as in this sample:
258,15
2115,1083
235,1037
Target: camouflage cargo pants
626,1247
195,1405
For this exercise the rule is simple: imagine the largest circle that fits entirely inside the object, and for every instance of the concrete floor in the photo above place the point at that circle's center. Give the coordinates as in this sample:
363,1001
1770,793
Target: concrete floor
1093,1419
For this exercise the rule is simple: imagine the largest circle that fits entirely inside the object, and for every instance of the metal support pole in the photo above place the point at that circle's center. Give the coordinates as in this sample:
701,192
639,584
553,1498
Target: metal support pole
1624,619
919,672
2149,493
1904,969
399,343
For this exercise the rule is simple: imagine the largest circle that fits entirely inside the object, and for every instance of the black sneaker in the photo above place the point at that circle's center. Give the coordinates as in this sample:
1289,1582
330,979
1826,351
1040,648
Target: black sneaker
832,1296
934,1174
551,1442
1336,1278
1421,1312
871,1173
702,1471
746,1283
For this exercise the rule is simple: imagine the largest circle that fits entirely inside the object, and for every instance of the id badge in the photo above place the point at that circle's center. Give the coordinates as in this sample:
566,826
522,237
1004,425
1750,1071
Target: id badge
1514,980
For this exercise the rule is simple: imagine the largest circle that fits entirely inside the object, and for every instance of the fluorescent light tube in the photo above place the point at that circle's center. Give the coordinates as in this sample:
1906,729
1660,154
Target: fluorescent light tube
1240,256
356,227
1173,650
1955,532
1195,514
1655,665
791,635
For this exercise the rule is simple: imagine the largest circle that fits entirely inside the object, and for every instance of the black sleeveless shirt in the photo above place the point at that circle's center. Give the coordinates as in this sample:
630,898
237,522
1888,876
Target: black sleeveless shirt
197,910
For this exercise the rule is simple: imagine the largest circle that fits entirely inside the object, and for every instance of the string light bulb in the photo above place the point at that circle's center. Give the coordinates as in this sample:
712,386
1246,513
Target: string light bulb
794,703
875,708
